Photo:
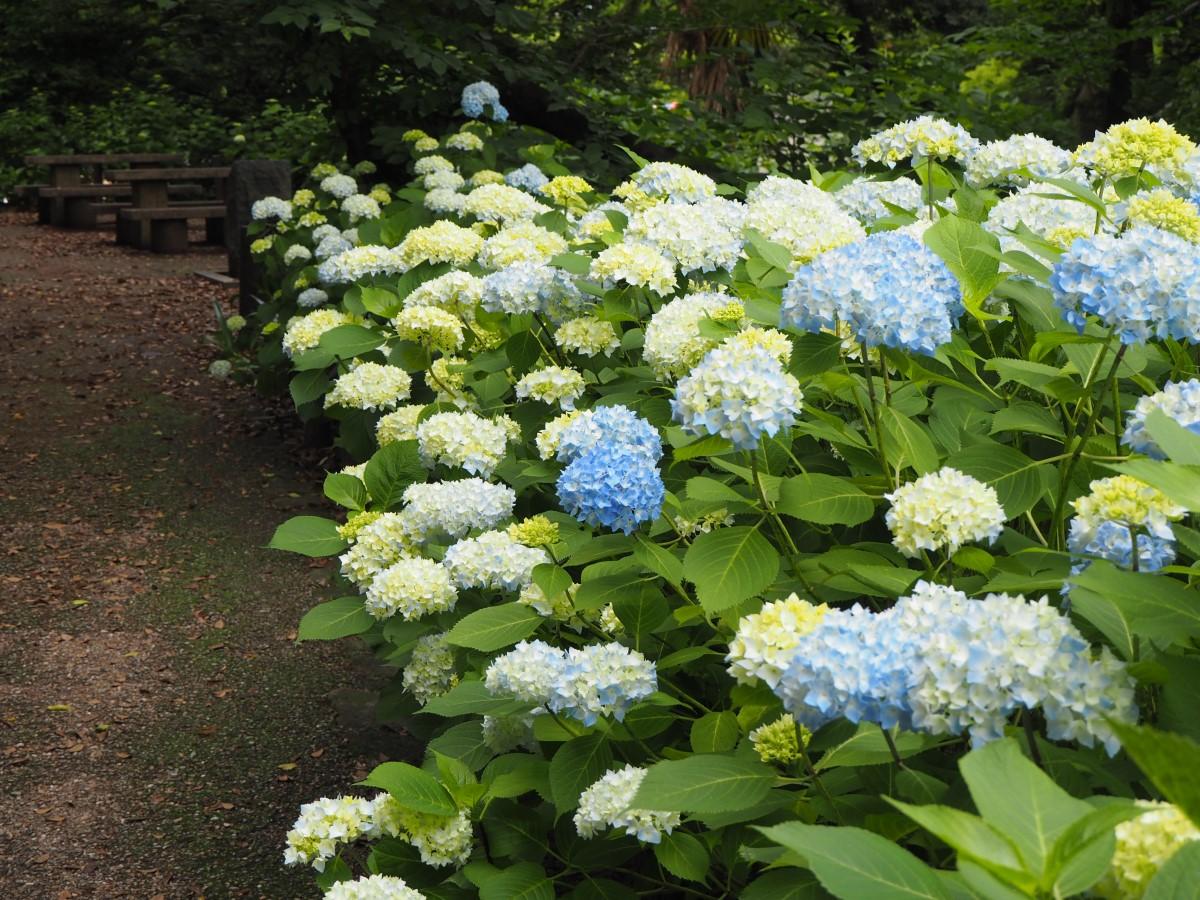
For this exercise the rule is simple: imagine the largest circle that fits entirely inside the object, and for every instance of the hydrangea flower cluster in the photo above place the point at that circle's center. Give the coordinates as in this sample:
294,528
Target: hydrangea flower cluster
271,208
340,186
304,332
800,216
867,199
889,288
455,292
1143,283
1057,221
1119,512
398,425
739,392
455,507
552,384
465,440
780,741
430,670
427,165
441,242
502,204
674,182
410,588
673,342
1164,210
479,95
942,511
1144,845
324,825
494,561
528,178
377,545
355,263
523,242
587,336
432,327
597,680
361,206
370,386
567,191
764,640
1128,147
373,887
605,425
443,181
1016,158
296,253
906,666
527,287
924,137
703,237
605,804
638,265
1180,400
465,141
613,485
440,840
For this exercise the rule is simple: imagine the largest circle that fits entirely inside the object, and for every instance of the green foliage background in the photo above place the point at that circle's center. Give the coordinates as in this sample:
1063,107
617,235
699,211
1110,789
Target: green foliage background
728,85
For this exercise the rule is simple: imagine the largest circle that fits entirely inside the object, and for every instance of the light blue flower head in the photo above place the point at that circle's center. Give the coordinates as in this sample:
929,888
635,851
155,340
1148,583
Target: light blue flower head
1144,283
527,287
607,425
1178,400
528,178
480,94
890,289
612,485
1113,541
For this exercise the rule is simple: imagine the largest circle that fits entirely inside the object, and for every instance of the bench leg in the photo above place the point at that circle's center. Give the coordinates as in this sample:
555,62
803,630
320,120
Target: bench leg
79,213
45,206
126,230
169,236
214,231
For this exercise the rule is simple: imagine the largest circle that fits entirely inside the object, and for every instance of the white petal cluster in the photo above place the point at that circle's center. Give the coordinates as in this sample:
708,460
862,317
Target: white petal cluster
465,440
432,327
373,887
997,162
465,141
430,671
943,511
360,206
356,263
1056,220
377,546
552,384
455,507
304,332
674,182
443,181
504,733
410,588
427,165
547,439
455,292
1144,845
370,386
605,805
398,425
271,208
523,242
444,200
340,186
527,672
924,137
493,560
311,297
441,242
441,840
587,336
324,825
639,265
866,198
763,643
673,342
802,217
501,204
698,237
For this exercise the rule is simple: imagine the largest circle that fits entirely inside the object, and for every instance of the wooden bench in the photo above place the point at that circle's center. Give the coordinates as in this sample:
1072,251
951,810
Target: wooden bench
152,222
168,225
68,170
25,195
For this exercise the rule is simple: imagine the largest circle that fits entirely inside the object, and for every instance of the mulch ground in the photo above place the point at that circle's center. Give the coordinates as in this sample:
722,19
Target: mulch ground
159,724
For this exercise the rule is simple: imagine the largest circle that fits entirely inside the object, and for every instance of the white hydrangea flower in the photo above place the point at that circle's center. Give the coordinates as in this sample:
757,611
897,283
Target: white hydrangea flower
465,141
444,200
528,672
674,182
699,237
443,181
311,297
377,546
430,671
547,439
370,386
552,384
499,203
455,507
296,253
356,263
588,336
271,208
921,138
465,440
456,292
493,560
762,646
996,162
430,326
427,165
324,825
673,343
441,840
411,588
399,425
602,680
523,242
943,511
360,206
1057,220
640,265
441,242
304,332
865,198
803,218
340,186
605,805
373,887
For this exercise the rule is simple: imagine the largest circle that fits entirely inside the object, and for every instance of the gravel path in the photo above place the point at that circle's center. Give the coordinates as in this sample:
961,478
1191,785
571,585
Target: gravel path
159,725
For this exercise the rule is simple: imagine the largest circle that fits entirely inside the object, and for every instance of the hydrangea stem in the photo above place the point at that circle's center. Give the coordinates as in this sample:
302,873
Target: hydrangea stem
876,416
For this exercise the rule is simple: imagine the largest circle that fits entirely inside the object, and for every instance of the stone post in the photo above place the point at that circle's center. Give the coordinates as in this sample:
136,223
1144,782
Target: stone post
250,180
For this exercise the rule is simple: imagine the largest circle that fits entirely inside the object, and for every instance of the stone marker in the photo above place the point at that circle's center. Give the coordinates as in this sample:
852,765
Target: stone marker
250,180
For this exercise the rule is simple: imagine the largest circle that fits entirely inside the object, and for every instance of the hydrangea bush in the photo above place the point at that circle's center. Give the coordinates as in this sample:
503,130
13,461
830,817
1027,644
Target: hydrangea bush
802,538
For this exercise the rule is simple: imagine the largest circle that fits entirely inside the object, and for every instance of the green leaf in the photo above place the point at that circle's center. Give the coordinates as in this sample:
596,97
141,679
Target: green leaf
1170,761
308,535
907,443
524,881
825,500
715,732
578,764
970,836
1082,853
391,470
683,856
784,884
963,247
575,263
708,783
494,627
1013,474
713,445
1181,695
597,593
468,698
1178,443
1027,417
658,560
523,350
412,788
642,611
345,490
308,386
771,253
868,747
349,341
1154,606
380,301
1019,800
728,565
334,619
1177,879
854,864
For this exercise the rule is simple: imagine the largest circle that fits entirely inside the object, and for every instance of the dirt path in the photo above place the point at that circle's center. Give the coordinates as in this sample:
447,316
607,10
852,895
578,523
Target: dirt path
159,726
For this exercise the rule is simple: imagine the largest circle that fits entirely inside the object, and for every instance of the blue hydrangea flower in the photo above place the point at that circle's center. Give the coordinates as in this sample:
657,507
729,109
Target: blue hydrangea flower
601,680
1178,400
1144,283
612,485
480,94
609,424
527,287
528,178
1113,541
890,289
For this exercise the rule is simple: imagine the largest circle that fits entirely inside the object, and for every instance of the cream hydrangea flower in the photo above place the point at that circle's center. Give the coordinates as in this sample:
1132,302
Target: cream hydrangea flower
501,204
430,670
780,741
373,887
324,825
1128,147
942,511
464,440
455,292
605,804
764,640
304,332
399,425
1164,210
370,386
552,384
640,265
441,840
377,545
441,242
522,242
547,439
673,342
411,588
587,336
429,326
1144,845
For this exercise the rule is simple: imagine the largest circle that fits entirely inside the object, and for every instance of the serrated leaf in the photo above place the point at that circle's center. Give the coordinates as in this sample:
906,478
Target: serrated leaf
715,732
1170,761
578,764
333,619
412,788
683,856
495,627
963,246
907,443
728,565
349,341
308,535
473,698
524,881
824,499
345,490
1013,474
658,560
308,386
392,469
706,783
380,301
